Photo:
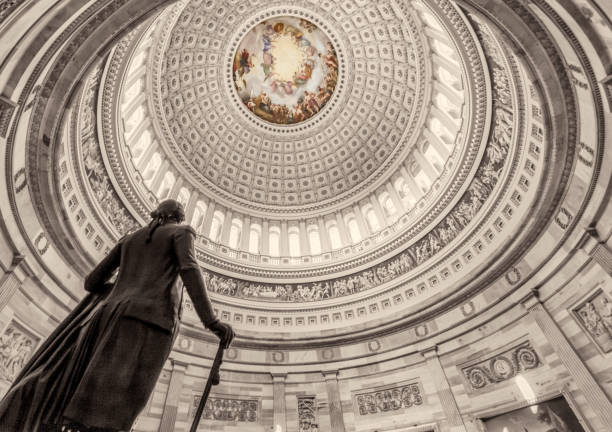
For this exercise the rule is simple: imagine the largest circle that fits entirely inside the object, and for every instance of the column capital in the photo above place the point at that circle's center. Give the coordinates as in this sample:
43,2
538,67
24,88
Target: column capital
178,365
429,352
531,299
330,374
278,376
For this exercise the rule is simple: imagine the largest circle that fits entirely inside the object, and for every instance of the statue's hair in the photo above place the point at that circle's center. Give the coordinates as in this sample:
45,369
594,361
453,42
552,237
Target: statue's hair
167,211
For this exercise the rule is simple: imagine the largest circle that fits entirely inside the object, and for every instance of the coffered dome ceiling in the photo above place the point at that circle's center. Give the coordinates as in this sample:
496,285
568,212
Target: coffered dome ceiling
337,160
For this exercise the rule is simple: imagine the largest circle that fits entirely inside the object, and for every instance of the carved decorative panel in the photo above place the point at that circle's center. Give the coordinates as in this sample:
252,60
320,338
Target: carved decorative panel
307,414
16,347
390,399
594,315
228,409
502,366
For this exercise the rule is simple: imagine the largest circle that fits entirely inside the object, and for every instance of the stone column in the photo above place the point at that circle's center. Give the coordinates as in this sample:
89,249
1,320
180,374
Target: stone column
323,236
159,176
583,378
245,235
226,227
304,241
447,399
363,226
280,410
397,201
9,282
383,219
173,396
190,208
416,191
265,238
284,239
335,404
208,218
342,228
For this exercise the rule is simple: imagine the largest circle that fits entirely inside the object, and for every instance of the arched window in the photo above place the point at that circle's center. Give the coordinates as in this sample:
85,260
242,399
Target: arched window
406,195
235,233
445,105
199,215
134,119
254,238
443,50
274,241
132,92
434,158
314,241
183,196
137,61
387,204
371,219
353,227
217,224
151,168
431,21
166,186
421,179
438,129
334,234
449,79
140,146
293,234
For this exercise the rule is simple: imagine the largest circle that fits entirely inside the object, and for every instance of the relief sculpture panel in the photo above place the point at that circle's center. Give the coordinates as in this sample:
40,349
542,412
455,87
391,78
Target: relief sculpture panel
502,366
390,399
228,409
16,347
594,315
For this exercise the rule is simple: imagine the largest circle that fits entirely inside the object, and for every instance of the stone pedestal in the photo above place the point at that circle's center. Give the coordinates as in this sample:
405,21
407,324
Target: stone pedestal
336,416
582,376
173,396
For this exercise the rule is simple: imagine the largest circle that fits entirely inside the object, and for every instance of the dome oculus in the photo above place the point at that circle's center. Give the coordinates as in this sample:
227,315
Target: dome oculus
285,70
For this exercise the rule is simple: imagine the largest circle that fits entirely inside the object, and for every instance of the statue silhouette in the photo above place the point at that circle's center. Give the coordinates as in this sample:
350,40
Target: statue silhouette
97,370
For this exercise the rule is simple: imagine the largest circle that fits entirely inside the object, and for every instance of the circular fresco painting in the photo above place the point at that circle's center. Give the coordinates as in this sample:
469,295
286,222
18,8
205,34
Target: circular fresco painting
285,70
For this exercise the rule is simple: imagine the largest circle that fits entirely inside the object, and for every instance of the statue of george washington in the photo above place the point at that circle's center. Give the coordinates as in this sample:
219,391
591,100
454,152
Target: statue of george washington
97,370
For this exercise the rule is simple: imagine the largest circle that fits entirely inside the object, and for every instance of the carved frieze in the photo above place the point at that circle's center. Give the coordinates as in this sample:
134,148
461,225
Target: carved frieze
594,315
228,409
502,366
390,399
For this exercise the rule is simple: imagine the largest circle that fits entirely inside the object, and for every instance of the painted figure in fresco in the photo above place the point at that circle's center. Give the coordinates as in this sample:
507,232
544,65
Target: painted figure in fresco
99,367
278,86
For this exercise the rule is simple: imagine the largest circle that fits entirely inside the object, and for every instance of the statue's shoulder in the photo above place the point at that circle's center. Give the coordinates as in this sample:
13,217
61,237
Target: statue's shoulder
185,228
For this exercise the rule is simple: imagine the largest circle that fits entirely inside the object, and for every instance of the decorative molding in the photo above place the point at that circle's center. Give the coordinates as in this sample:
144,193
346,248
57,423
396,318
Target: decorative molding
502,366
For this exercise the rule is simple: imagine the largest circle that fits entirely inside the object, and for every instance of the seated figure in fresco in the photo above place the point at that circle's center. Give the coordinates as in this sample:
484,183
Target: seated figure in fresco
99,367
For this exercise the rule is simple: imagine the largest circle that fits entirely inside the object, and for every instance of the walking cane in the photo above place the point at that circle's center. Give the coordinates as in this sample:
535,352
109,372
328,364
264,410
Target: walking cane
213,379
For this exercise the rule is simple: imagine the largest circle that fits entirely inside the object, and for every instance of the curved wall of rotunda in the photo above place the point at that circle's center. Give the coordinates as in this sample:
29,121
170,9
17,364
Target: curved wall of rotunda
402,207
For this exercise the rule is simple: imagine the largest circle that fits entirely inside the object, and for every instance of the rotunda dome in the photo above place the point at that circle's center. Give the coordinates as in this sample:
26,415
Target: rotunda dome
394,201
